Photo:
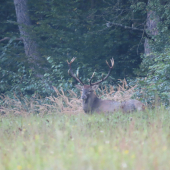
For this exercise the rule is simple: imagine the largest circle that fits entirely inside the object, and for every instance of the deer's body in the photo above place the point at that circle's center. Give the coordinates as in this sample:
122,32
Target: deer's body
101,106
91,103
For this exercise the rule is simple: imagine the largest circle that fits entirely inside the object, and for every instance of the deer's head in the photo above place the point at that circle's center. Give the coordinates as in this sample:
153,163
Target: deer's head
87,90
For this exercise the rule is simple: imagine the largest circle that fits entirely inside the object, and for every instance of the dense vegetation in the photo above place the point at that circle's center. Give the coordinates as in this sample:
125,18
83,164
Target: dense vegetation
91,30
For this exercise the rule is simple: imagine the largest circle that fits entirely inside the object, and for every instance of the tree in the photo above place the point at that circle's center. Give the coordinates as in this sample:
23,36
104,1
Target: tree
28,36
152,22
156,61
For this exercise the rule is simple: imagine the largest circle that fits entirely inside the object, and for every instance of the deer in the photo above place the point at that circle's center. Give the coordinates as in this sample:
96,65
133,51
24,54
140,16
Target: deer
92,104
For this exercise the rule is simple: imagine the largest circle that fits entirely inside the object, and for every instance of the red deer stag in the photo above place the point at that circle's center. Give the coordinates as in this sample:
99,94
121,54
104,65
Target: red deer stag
91,103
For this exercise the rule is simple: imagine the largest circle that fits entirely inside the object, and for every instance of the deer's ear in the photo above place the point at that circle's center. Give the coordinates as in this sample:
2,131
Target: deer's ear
79,87
95,87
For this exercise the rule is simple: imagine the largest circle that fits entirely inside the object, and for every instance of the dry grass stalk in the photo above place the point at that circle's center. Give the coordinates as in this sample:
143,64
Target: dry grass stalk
122,93
61,103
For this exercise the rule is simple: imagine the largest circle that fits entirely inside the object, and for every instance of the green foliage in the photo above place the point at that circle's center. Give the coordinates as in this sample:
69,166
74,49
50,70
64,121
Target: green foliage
78,28
66,29
157,80
155,67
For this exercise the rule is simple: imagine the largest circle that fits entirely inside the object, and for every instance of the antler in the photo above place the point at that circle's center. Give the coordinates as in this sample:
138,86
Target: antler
103,79
70,72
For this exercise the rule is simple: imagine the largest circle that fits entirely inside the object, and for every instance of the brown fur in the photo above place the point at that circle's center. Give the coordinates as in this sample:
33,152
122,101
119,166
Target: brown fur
91,103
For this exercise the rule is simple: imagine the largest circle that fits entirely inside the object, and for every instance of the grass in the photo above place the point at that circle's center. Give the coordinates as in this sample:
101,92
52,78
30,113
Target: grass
86,142
54,134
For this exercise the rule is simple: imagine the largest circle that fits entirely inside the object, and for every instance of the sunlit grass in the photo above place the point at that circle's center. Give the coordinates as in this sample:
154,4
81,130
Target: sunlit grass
81,142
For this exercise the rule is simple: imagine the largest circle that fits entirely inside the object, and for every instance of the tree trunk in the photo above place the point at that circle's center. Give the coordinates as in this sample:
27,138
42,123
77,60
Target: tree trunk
24,24
151,26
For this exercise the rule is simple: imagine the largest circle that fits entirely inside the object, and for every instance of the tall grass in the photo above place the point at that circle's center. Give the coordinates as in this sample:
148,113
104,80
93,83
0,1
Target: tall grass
74,142
60,103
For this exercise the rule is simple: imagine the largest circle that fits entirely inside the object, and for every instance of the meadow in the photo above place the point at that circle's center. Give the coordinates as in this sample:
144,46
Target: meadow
60,141
64,139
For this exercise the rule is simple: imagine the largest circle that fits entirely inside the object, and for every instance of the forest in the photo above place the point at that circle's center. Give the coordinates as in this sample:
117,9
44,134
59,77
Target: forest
38,37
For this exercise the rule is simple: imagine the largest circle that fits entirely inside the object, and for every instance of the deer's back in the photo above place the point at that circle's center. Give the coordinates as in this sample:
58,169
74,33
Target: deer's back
104,106
131,105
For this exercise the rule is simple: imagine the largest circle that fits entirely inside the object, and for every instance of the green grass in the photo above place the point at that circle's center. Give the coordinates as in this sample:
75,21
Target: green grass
139,141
